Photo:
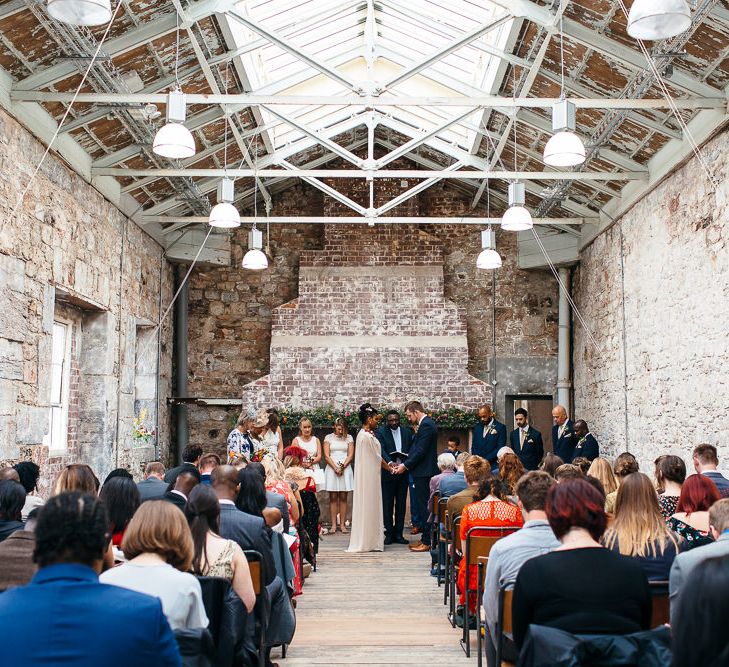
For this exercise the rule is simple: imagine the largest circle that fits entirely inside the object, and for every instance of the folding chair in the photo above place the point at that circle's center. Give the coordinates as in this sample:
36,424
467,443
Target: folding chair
255,566
441,542
482,564
455,548
661,612
504,621
479,541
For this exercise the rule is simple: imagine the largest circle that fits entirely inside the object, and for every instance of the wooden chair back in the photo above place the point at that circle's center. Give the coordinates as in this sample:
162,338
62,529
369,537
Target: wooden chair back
661,612
442,511
479,541
456,534
255,568
507,625
255,560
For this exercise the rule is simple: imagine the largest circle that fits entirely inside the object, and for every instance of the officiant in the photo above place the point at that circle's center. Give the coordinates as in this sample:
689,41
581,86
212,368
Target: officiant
395,442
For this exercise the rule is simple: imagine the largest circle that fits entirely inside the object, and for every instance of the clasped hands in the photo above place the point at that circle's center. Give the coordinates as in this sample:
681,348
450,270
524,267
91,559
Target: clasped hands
397,468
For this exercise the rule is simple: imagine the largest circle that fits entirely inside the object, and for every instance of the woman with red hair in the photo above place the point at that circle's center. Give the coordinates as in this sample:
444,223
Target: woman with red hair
580,587
691,520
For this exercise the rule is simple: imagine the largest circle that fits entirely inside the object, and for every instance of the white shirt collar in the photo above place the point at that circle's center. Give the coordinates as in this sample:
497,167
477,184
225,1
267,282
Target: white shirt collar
225,501
421,419
179,493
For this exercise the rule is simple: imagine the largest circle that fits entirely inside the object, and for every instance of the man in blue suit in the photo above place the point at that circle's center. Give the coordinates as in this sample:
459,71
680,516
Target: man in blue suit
395,441
65,616
586,443
526,441
489,436
563,434
421,463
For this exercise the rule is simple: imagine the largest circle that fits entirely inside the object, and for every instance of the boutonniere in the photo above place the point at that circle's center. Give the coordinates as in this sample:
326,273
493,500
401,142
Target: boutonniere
493,431
581,441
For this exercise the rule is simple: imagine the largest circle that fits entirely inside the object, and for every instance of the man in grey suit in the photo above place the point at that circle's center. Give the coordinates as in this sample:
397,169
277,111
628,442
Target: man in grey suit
153,487
687,561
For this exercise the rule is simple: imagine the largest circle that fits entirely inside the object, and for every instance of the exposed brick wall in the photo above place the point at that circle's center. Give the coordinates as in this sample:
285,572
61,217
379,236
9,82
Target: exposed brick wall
658,315
66,238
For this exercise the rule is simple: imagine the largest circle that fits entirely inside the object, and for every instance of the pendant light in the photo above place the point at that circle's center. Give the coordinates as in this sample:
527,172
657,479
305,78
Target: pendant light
489,258
517,218
173,140
224,214
80,12
255,259
658,19
565,148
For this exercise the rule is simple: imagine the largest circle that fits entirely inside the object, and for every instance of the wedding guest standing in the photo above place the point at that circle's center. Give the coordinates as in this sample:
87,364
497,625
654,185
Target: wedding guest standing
395,440
338,454
488,436
239,445
265,434
526,441
273,434
563,434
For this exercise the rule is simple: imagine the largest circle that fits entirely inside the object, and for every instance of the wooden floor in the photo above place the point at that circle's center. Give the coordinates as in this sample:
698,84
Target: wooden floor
372,609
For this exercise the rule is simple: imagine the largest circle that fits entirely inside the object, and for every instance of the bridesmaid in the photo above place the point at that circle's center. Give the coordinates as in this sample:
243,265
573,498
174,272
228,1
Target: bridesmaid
338,454
308,441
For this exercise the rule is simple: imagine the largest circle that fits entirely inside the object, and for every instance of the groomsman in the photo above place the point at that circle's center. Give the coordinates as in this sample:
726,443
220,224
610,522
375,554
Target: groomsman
586,444
563,434
395,441
489,436
421,463
526,441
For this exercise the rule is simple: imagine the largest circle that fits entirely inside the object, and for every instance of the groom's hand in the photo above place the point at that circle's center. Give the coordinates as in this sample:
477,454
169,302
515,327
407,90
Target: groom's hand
400,469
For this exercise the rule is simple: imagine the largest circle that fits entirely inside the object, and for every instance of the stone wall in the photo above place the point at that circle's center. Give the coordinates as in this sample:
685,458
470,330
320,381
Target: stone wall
70,254
654,290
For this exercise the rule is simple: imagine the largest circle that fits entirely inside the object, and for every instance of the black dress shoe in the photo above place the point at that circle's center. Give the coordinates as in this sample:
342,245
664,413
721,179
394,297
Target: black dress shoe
401,540
388,540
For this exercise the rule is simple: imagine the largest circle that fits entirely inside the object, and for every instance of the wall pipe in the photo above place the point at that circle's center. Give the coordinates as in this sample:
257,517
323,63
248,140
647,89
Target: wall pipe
564,383
182,431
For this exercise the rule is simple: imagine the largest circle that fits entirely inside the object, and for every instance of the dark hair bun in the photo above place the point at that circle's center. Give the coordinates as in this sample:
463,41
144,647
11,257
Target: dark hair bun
365,412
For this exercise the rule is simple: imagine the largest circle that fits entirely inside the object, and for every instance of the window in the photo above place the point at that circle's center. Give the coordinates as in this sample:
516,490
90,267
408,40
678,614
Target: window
56,439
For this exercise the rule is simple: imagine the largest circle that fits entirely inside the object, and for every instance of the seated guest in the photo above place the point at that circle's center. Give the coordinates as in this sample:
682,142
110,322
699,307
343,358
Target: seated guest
510,470
625,464
475,470
449,485
550,463
208,463
252,496
567,471
639,530
586,444
691,519
275,484
526,441
511,552
688,561
28,474
77,477
447,466
580,587
16,555
491,510
190,461
185,482
273,500
453,446
118,472
706,462
698,627
583,463
9,474
12,499
68,617
153,486
214,556
601,469
297,472
670,476
121,498
158,549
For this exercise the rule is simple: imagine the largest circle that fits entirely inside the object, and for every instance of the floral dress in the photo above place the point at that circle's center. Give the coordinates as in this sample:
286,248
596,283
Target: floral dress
489,514
693,537
668,506
282,489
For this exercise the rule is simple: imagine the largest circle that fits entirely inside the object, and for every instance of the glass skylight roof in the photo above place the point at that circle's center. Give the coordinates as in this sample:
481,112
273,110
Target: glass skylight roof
339,34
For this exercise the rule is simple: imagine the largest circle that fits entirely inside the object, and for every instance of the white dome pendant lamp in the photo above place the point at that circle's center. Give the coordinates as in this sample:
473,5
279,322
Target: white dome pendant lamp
516,218
565,148
658,19
80,12
173,140
255,259
224,215
488,258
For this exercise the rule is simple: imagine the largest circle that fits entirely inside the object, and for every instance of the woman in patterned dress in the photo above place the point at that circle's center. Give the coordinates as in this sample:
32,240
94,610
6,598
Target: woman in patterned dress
691,520
670,476
491,511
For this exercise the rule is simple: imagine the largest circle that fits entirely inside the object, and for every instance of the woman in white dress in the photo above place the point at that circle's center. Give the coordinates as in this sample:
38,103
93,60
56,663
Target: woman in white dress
338,454
367,518
310,443
271,439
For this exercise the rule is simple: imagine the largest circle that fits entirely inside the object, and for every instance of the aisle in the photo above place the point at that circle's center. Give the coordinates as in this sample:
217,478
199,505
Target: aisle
372,609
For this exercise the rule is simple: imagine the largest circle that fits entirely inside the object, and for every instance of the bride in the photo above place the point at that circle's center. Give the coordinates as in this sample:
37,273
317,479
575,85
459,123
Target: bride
367,523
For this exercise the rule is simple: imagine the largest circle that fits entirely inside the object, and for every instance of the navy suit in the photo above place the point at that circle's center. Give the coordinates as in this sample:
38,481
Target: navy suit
587,448
533,451
394,487
66,617
422,463
564,446
489,446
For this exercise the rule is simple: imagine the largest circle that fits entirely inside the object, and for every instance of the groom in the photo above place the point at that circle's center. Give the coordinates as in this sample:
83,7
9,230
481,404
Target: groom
395,441
421,463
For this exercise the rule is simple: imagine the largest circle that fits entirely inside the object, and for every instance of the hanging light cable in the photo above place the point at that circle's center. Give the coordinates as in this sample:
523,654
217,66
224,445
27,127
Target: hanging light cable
658,19
564,148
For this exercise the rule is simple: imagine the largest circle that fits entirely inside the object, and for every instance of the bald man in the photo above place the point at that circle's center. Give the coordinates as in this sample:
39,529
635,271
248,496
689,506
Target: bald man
563,434
10,474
